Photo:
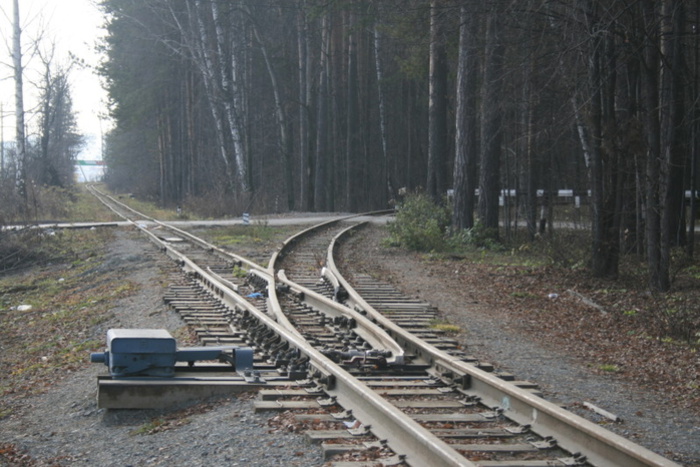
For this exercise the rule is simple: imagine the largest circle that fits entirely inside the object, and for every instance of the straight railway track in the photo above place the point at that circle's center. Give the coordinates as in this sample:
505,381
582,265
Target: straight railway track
360,367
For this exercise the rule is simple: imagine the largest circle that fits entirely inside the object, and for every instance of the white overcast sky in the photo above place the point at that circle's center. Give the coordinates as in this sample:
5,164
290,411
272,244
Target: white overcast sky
75,26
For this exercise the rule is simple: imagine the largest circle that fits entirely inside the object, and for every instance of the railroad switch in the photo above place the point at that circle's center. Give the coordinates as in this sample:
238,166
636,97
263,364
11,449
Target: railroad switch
154,353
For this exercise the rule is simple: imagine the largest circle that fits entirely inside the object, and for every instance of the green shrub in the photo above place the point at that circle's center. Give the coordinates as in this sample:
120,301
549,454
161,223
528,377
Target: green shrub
420,224
478,236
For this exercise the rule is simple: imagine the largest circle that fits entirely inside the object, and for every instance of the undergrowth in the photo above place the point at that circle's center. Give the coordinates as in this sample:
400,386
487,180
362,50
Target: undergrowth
423,226
420,225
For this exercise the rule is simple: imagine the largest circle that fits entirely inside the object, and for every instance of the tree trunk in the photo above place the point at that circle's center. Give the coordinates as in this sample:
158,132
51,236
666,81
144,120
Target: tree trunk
322,156
465,126
390,192
231,98
305,165
205,63
605,155
281,120
491,131
353,160
21,175
695,143
437,107
530,178
658,275
672,231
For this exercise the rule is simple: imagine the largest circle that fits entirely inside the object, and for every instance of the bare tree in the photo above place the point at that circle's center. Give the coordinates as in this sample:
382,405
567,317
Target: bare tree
20,141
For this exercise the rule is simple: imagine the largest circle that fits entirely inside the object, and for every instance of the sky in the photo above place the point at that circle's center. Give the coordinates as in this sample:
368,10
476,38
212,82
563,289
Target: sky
75,26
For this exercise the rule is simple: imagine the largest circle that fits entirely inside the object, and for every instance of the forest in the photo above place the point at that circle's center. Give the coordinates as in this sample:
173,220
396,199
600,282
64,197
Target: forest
340,105
225,107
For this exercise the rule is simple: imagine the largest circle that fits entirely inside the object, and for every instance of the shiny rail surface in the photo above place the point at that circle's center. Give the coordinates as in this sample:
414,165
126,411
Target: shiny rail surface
573,433
397,398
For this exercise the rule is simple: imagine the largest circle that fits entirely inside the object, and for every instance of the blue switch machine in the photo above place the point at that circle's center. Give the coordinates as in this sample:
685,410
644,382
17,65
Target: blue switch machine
154,353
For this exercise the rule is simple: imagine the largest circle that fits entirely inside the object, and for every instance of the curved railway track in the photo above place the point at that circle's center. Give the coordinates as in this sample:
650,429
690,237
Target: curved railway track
360,366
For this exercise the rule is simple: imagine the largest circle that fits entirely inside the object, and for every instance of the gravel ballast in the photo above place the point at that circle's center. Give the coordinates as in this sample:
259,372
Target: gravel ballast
493,336
63,426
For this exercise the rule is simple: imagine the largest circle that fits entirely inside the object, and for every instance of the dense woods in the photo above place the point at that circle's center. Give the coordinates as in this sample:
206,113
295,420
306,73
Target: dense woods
338,105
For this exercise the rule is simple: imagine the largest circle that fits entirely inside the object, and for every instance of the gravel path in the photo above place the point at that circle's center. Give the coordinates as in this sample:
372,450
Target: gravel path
646,417
64,426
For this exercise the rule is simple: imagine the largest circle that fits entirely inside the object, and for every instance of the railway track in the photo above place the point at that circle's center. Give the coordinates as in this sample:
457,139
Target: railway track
361,368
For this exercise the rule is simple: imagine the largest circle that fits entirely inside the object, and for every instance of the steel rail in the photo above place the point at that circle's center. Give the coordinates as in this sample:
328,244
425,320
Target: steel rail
572,432
375,337
401,433
371,333
278,255
193,238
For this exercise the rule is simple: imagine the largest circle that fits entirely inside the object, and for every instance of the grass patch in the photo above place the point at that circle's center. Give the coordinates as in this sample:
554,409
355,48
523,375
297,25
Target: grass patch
445,327
236,235
148,208
152,427
148,428
258,236
69,292
239,272
85,207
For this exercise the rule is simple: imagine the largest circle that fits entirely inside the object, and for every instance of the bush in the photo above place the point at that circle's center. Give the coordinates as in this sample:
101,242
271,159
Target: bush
420,224
477,237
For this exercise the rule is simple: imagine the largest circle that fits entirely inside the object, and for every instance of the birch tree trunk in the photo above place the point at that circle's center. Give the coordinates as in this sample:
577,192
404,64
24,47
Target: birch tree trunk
231,99
21,174
205,63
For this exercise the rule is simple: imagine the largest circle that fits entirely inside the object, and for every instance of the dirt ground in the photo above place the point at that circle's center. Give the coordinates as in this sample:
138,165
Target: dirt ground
554,327
560,329
48,405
